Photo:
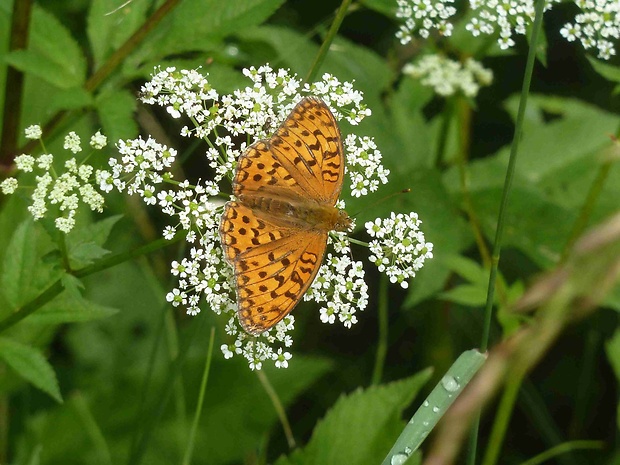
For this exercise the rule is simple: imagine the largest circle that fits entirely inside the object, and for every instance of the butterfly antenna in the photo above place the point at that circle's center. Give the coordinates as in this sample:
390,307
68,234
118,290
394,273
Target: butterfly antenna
387,197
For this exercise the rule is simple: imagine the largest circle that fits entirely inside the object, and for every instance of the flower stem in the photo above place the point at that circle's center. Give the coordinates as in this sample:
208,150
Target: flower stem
279,408
331,34
497,245
382,343
203,386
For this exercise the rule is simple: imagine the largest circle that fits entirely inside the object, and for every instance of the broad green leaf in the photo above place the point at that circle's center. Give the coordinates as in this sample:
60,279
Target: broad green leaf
25,273
71,99
466,294
70,309
287,47
30,364
361,427
53,44
208,21
387,7
85,244
116,112
608,71
111,23
468,269
31,62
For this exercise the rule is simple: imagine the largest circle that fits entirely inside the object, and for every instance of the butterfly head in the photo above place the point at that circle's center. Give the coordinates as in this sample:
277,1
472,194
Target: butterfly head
343,221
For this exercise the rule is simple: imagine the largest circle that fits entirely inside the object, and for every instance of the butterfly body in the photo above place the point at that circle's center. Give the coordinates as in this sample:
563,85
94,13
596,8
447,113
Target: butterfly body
297,213
275,233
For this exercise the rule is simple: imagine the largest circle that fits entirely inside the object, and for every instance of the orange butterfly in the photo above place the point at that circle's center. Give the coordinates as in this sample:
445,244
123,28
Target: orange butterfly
275,234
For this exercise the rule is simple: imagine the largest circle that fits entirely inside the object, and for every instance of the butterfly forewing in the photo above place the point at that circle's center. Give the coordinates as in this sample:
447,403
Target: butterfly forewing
303,158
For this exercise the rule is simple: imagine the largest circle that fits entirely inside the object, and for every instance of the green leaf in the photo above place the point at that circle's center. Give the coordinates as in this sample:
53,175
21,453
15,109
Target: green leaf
387,7
208,21
468,269
58,54
71,99
30,364
361,426
111,23
70,309
608,71
85,244
43,67
116,112
25,273
466,294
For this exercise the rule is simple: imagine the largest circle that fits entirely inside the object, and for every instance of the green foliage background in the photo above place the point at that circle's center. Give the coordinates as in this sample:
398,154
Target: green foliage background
108,373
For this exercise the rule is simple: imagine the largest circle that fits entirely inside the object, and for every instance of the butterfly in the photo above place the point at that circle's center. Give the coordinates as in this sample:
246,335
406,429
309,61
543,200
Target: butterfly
275,233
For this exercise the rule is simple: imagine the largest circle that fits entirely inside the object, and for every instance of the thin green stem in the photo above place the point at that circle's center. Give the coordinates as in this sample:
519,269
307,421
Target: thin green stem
588,206
278,407
562,449
382,343
497,245
203,387
57,287
93,431
444,131
331,35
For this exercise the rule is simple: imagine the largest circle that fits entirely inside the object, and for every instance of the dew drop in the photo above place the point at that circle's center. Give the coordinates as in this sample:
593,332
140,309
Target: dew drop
435,409
425,404
450,384
398,459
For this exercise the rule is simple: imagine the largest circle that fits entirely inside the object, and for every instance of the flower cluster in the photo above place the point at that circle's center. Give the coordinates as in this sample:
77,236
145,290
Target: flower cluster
596,26
248,114
399,248
423,16
447,76
506,17
62,192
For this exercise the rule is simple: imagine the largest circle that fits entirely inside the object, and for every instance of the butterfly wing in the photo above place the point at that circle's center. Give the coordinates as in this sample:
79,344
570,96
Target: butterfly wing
304,158
273,266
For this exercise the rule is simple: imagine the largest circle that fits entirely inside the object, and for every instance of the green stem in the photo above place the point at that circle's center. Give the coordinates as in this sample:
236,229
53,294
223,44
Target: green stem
14,84
382,343
279,408
562,449
497,245
444,131
203,387
57,287
331,34
586,210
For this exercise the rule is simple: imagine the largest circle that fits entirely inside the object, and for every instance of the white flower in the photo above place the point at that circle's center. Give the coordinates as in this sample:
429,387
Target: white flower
8,186
72,142
596,27
33,132
423,16
400,248
447,76
98,141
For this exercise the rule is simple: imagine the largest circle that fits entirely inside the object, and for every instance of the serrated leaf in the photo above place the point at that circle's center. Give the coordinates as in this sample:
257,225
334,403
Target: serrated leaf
85,244
53,43
466,294
25,273
361,426
31,62
30,364
116,112
70,309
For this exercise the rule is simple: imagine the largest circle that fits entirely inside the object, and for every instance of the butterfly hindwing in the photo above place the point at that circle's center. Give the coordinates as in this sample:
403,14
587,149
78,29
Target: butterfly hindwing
273,266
